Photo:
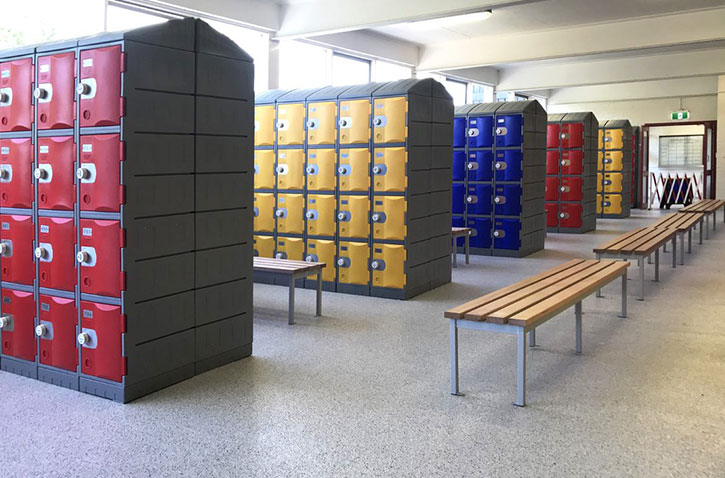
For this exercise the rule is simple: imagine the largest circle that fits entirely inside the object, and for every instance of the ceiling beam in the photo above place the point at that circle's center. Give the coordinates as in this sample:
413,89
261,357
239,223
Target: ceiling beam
676,88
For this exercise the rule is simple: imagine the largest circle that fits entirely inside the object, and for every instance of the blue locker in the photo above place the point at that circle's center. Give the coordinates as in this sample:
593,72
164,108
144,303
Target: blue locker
481,236
479,199
509,131
459,132
458,222
480,132
508,165
508,200
459,165
480,164
507,234
459,197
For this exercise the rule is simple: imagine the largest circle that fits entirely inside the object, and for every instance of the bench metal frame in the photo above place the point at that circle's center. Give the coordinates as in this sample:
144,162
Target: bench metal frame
293,276
466,245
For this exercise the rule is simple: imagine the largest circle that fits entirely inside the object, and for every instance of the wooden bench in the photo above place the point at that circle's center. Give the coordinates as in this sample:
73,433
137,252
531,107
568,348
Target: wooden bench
639,245
293,270
519,308
708,207
464,232
683,224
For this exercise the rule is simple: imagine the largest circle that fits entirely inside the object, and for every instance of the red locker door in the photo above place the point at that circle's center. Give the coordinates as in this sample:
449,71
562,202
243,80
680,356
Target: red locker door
572,135
100,257
54,93
56,253
552,135
572,162
552,214
101,341
571,216
16,95
16,249
17,322
552,162
56,332
571,189
552,188
56,157
99,87
16,173
100,173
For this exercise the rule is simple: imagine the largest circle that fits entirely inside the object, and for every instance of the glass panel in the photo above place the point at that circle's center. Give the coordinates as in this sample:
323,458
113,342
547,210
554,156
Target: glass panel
301,65
457,90
349,71
385,71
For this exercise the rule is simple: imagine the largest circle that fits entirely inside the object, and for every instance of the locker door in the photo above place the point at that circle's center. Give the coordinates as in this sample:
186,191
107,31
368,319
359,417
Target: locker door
54,91
319,250
17,324
509,165
552,188
352,216
479,199
600,202
56,332
613,161
354,170
508,200
321,121
390,120
321,215
290,214
290,169
600,161
388,265
388,217
55,173
481,236
613,139
352,263
354,122
264,125
290,124
100,173
290,248
509,130
612,204
263,246
100,257
321,170
459,165
480,131
56,253
572,135
459,132
613,182
571,216
552,163
16,173
552,214
459,197
16,249
99,87
480,166
264,177
264,212
600,182
101,341
16,82
571,188
553,132
601,139
572,162
390,170
507,234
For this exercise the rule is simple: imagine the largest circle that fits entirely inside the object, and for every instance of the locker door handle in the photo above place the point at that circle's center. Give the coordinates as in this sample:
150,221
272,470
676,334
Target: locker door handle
565,189
378,217
83,257
282,125
281,213
311,215
6,322
344,216
565,162
378,265
501,131
6,172
344,170
41,93
311,169
281,255
84,173
499,234
343,262
256,211
607,182
41,330
379,121
311,258
5,248
83,89
472,132
345,122
472,166
500,165
312,124
500,200
471,199
564,215
378,170
41,253
4,98
85,339
41,174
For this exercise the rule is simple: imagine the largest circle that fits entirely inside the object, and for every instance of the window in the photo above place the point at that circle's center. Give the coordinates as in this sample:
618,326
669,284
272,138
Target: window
347,70
386,71
302,65
478,93
458,90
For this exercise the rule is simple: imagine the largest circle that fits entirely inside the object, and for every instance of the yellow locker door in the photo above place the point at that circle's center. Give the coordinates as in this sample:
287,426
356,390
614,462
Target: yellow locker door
388,217
321,215
290,219
388,265
321,170
601,139
264,169
599,203
290,123
263,246
352,263
613,139
613,161
390,170
290,248
600,161
390,120
319,250
354,122
264,125
290,169
321,123
599,182
613,182
354,170
352,216
264,212
612,204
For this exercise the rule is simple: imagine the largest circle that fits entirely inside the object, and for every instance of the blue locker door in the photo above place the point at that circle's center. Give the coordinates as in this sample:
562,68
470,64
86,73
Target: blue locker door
480,166
459,199
458,222
509,165
479,199
509,130
459,132
481,236
507,234
480,132
508,200
459,165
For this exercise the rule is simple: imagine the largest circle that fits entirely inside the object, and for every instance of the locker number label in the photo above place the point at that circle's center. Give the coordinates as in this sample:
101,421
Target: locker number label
44,150
87,62
44,68
88,314
87,148
87,231
44,229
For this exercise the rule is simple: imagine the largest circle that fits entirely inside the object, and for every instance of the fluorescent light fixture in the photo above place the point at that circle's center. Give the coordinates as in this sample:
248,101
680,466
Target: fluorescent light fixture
451,21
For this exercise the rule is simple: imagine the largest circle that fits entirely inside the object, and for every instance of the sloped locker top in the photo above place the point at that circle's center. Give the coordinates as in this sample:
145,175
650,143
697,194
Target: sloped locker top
297,96
172,34
440,91
463,110
556,118
485,108
56,46
210,41
328,93
360,91
11,53
269,97
524,107
588,119
619,124
409,86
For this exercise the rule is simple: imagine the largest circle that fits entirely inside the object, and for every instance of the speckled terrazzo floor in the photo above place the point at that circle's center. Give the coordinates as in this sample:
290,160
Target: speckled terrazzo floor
363,391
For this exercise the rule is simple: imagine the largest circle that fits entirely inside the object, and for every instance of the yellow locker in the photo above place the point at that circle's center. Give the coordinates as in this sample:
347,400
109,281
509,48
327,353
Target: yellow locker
600,185
263,246
388,217
321,215
354,122
599,203
390,170
600,161
352,263
290,210
264,169
388,265
321,123
612,204
390,120
613,160
352,216
291,248
290,123
613,182
601,139
321,170
354,170
319,250
264,212
264,125
290,169
614,139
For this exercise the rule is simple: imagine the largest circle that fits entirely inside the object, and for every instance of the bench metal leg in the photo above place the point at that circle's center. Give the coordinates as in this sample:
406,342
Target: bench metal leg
520,368
714,221
454,252
641,275
467,246
318,311
291,320
689,241
624,295
674,251
649,259
682,249
532,338
657,265
599,291
578,314
454,358
700,227
707,226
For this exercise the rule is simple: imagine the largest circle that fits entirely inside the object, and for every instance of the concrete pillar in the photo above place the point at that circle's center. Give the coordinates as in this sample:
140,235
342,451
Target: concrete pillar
273,65
720,155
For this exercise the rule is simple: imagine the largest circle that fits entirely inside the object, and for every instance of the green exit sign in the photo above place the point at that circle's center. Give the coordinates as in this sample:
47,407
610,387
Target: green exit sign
680,115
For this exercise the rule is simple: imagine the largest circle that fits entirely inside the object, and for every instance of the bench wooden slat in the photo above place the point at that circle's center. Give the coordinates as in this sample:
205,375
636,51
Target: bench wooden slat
655,241
706,206
642,241
618,239
627,241
285,266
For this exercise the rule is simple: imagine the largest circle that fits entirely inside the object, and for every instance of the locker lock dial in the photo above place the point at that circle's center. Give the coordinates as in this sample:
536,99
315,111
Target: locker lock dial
41,253
312,123
280,213
83,173
565,189
378,121
40,173
4,174
83,88
82,257
341,216
310,170
41,330
4,248
377,170
4,97
564,215
40,93
84,338
344,123
500,165
4,321
310,215
499,200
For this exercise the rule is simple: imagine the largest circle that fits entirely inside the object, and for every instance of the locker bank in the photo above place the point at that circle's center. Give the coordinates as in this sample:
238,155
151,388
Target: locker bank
614,166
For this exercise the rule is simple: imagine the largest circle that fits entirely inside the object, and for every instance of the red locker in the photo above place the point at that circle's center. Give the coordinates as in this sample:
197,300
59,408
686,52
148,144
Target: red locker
16,173
572,162
101,341
552,135
100,257
55,173
552,214
552,188
570,216
16,95
100,173
571,189
572,135
55,93
56,332
56,253
99,87
16,249
552,162
17,323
